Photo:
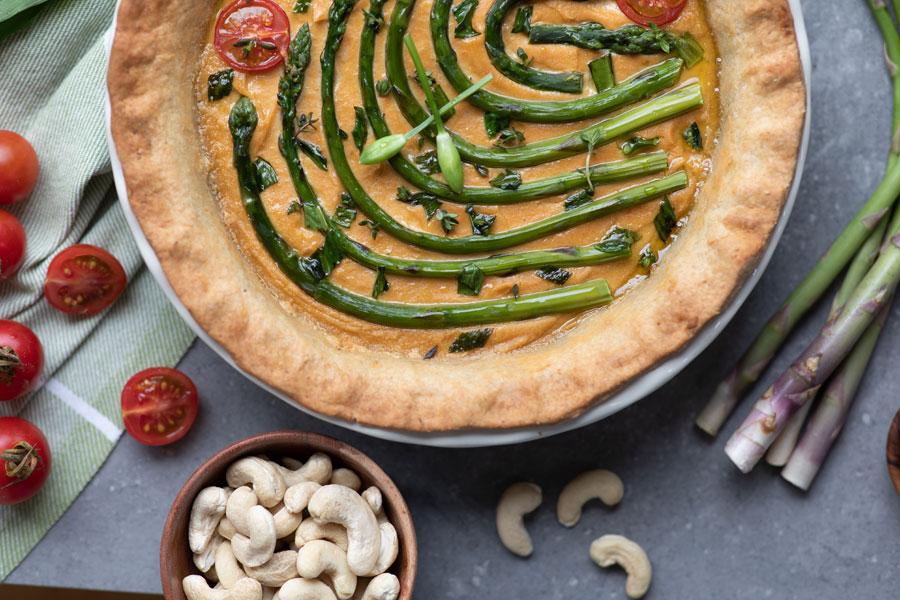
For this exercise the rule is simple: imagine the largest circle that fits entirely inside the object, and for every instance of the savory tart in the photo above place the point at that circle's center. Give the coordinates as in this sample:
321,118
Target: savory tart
466,213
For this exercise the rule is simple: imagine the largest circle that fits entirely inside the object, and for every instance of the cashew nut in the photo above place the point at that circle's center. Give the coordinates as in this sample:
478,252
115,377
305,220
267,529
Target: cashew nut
319,556
205,560
310,530
346,478
257,548
207,511
286,522
390,547
518,500
317,468
304,589
616,549
228,570
374,499
196,588
226,528
296,498
239,503
280,568
339,504
261,475
601,484
384,587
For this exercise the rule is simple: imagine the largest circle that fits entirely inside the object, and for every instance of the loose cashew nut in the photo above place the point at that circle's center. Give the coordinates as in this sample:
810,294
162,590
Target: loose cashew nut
227,568
205,560
346,478
207,511
257,548
304,589
384,587
518,500
281,568
374,499
310,530
338,504
239,504
319,556
390,547
317,468
286,522
616,549
226,528
297,497
196,588
266,481
601,484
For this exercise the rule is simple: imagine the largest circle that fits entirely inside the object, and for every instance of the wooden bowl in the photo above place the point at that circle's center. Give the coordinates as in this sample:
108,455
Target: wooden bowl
893,451
175,559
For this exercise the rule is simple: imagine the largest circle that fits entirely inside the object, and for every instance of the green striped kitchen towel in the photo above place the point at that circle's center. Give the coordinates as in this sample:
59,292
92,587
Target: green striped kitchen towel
53,92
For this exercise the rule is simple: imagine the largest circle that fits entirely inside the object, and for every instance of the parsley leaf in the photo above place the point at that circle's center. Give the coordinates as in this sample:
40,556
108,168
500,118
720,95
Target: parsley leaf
665,220
693,137
265,173
302,6
481,223
470,280
427,201
219,84
464,11
344,216
526,60
632,145
495,122
481,170
618,240
554,274
515,290
373,226
578,199
360,128
430,354
329,255
470,340
509,136
448,220
508,180
428,162
314,153
381,283
647,257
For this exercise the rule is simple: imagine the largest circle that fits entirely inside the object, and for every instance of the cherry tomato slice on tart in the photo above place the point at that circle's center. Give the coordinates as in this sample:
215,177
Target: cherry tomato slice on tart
84,279
12,245
159,406
253,35
18,167
24,460
21,360
644,12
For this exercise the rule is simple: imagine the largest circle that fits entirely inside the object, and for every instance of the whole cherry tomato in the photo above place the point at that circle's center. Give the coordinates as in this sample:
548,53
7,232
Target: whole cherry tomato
21,360
12,245
18,167
24,460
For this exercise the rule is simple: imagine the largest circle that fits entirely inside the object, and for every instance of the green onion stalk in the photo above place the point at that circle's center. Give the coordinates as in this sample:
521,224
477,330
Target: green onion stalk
306,272
638,87
762,350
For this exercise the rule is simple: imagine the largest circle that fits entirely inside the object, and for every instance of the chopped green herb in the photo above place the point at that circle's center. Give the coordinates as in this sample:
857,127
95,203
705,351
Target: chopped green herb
383,87
381,283
306,122
220,84
373,226
632,145
294,207
464,11
470,340
360,128
481,223
515,290
344,216
482,170
591,140
647,257
427,201
495,122
523,56
508,180
330,254
554,274
509,137
618,239
428,162
579,198
265,173
470,281
302,6
602,72
430,354
448,220
347,200
689,49
342,134
522,24
314,153
665,220
692,136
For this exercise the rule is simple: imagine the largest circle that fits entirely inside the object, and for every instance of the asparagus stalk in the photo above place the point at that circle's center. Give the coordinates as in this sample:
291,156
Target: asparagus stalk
303,271
552,81
638,87
830,415
800,382
761,351
784,444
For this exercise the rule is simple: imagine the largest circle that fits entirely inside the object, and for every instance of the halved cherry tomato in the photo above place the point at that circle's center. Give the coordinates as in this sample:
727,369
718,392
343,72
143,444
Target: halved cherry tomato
84,279
644,12
253,35
18,167
12,245
21,360
24,460
159,406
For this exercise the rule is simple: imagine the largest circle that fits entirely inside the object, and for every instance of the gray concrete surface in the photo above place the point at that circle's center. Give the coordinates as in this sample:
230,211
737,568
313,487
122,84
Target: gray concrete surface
710,532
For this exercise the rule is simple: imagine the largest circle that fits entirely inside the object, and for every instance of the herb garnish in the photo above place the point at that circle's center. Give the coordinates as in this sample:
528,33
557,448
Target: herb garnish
591,140
383,87
220,84
495,122
632,145
314,153
647,257
302,6
508,180
329,255
306,122
265,173
481,223
430,354
248,45
360,128
618,239
313,216
470,340
515,290
345,213
523,57
522,24
373,226
448,220
665,220
578,199
381,283
692,136
554,274
464,11
428,162
509,136
427,201
481,170
470,281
